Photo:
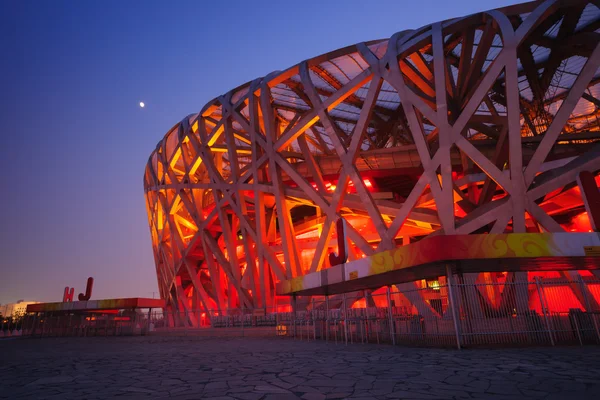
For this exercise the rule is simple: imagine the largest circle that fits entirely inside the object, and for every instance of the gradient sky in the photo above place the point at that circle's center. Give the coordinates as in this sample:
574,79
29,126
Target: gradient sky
75,141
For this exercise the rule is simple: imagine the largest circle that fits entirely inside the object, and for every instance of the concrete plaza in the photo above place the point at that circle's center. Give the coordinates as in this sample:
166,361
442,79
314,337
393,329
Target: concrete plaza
277,368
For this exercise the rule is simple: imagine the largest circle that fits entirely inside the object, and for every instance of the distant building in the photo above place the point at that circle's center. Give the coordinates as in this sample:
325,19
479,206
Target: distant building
13,309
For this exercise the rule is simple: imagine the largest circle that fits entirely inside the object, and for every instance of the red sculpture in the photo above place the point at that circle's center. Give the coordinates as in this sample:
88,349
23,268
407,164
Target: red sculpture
68,296
88,290
342,256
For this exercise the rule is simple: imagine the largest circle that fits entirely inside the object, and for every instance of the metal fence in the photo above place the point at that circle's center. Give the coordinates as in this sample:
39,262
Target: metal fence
542,312
447,313
10,326
64,324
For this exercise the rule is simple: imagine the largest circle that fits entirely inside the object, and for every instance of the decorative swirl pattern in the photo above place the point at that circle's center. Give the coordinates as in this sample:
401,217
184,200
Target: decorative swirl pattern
492,246
381,262
524,245
464,247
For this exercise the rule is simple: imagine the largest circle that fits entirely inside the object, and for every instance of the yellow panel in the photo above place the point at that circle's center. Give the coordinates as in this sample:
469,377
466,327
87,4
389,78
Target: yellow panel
216,135
195,166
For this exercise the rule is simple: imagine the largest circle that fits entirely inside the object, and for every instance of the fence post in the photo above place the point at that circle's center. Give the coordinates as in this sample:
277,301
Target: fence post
294,315
390,315
588,306
243,321
577,330
542,303
345,318
314,320
366,319
30,324
368,296
449,278
276,322
326,318
24,321
34,325
185,321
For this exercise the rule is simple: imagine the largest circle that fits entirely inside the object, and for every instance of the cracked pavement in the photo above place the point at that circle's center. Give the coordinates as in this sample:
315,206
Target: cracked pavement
275,368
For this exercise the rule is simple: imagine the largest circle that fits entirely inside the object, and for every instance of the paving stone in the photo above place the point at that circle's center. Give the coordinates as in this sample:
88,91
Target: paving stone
330,383
219,398
191,368
503,389
306,389
534,393
179,390
248,396
216,386
188,396
283,385
137,390
293,379
314,396
338,395
52,380
270,389
459,380
235,382
240,389
477,385
491,396
281,396
363,385
167,382
403,394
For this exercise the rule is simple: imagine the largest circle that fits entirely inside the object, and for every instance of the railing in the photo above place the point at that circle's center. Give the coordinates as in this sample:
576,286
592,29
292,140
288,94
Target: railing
457,314
542,312
61,324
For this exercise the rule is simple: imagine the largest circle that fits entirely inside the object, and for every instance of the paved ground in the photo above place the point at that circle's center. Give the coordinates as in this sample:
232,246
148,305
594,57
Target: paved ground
254,368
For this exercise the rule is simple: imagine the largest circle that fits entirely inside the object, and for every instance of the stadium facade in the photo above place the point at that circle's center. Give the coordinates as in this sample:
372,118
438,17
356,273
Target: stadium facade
467,148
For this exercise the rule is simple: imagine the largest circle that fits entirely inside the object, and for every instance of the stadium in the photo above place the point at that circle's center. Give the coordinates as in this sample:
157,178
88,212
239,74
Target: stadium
447,175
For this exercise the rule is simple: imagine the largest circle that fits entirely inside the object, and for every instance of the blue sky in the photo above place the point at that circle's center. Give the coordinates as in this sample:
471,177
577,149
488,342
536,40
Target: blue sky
75,141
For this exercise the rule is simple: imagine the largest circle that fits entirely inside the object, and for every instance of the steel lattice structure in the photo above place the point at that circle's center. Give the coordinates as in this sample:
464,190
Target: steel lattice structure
472,125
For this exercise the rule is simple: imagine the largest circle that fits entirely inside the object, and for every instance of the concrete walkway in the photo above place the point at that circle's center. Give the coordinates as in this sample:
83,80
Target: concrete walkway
255,368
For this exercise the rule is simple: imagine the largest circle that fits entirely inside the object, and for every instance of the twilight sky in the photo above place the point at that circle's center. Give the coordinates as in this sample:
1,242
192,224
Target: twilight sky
75,141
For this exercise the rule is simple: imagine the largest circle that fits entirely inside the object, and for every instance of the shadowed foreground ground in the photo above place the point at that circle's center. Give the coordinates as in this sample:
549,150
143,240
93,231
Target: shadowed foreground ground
254,368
